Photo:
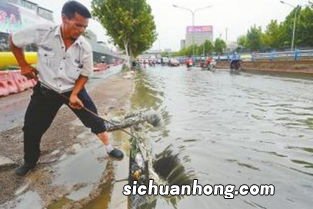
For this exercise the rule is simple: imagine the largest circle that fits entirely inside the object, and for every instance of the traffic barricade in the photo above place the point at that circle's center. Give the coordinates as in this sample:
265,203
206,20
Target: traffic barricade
11,81
3,89
7,84
20,81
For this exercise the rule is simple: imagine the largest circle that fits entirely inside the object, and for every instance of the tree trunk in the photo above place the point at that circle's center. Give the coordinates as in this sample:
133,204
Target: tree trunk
127,54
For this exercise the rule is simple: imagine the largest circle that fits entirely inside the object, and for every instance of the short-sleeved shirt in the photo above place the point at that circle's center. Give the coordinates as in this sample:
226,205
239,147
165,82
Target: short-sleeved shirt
58,68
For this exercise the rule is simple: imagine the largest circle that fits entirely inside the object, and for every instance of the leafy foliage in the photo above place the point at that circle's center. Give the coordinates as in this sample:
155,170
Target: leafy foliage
128,22
279,35
219,46
205,49
254,38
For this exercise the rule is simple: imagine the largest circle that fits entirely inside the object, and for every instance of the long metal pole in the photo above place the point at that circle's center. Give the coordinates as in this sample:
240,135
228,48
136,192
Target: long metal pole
193,22
193,34
294,30
294,24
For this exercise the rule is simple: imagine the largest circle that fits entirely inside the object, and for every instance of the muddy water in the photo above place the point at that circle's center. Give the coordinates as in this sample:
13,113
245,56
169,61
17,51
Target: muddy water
222,128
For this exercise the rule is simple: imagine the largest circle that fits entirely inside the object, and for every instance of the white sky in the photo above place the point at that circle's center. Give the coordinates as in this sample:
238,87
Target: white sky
235,15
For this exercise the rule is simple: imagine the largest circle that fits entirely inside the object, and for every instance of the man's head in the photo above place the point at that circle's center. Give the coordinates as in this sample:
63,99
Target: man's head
75,17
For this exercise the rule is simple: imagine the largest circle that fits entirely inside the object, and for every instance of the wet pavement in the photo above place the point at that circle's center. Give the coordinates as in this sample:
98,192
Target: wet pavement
13,109
83,171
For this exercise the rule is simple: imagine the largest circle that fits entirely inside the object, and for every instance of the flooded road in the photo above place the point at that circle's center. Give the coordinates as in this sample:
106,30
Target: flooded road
222,128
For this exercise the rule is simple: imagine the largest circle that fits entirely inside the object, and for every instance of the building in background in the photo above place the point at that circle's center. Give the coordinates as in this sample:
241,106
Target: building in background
18,14
101,52
199,33
182,44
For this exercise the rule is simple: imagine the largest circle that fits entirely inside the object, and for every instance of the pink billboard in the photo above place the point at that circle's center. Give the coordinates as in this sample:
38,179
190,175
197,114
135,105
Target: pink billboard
10,18
203,28
14,17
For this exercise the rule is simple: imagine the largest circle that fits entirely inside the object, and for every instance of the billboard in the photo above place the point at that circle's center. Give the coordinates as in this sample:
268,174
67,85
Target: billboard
14,17
10,18
200,29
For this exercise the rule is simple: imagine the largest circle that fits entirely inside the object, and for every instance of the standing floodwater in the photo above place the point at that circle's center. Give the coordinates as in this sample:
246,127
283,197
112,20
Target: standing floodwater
222,128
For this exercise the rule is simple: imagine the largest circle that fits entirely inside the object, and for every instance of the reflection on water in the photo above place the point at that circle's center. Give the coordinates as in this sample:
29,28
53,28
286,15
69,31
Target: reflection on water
172,172
170,168
231,129
145,95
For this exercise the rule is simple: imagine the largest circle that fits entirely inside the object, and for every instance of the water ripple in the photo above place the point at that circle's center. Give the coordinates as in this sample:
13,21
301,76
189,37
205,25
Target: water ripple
248,128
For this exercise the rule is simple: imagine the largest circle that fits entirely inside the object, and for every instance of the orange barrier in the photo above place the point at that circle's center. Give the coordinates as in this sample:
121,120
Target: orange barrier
100,67
20,81
4,90
12,87
13,82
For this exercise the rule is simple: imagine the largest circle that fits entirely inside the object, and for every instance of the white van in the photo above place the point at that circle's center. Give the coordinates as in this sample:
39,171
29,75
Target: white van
164,60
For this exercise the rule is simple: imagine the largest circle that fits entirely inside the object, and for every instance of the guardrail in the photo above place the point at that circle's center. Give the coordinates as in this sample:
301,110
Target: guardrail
288,55
271,56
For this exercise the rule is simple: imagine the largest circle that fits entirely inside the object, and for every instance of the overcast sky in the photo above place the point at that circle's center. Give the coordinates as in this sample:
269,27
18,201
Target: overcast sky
235,16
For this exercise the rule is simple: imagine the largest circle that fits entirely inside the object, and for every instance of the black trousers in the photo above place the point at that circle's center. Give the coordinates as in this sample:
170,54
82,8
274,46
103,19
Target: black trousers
43,107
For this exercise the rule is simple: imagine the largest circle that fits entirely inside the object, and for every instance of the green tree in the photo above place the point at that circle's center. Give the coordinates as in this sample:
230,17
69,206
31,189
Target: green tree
198,50
273,35
207,47
203,49
287,29
128,22
242,41
279,35
219,46
304,29
254,38
187,51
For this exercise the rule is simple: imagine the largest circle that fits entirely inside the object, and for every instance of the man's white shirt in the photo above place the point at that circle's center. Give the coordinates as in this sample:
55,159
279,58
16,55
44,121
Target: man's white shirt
58,68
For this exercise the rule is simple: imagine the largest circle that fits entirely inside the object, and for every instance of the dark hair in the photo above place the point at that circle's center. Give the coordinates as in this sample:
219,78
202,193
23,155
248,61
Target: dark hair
71,7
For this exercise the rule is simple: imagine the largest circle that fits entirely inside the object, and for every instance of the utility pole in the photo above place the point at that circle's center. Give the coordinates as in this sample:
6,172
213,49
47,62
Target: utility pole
292,47
226,30
193,22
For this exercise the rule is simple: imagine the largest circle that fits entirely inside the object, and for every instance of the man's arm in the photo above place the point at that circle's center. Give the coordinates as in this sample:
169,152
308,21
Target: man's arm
26,69
75,102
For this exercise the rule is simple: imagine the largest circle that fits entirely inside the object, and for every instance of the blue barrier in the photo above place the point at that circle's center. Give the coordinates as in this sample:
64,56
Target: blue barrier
271,56
294,55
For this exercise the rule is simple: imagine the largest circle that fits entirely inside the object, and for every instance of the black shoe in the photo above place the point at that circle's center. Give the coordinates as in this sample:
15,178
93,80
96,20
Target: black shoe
23,169
116,153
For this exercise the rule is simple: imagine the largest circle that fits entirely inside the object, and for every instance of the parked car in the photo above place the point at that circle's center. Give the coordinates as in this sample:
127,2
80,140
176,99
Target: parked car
173,62
164,61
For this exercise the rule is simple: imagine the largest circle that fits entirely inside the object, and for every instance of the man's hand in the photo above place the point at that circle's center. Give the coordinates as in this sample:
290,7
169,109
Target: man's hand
29,72
75,102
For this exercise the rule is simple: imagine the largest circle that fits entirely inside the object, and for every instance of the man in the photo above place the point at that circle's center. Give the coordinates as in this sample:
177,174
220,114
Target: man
235,61
64,64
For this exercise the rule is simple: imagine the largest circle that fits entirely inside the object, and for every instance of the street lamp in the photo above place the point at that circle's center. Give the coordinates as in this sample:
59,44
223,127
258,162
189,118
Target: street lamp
193,21
294,23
